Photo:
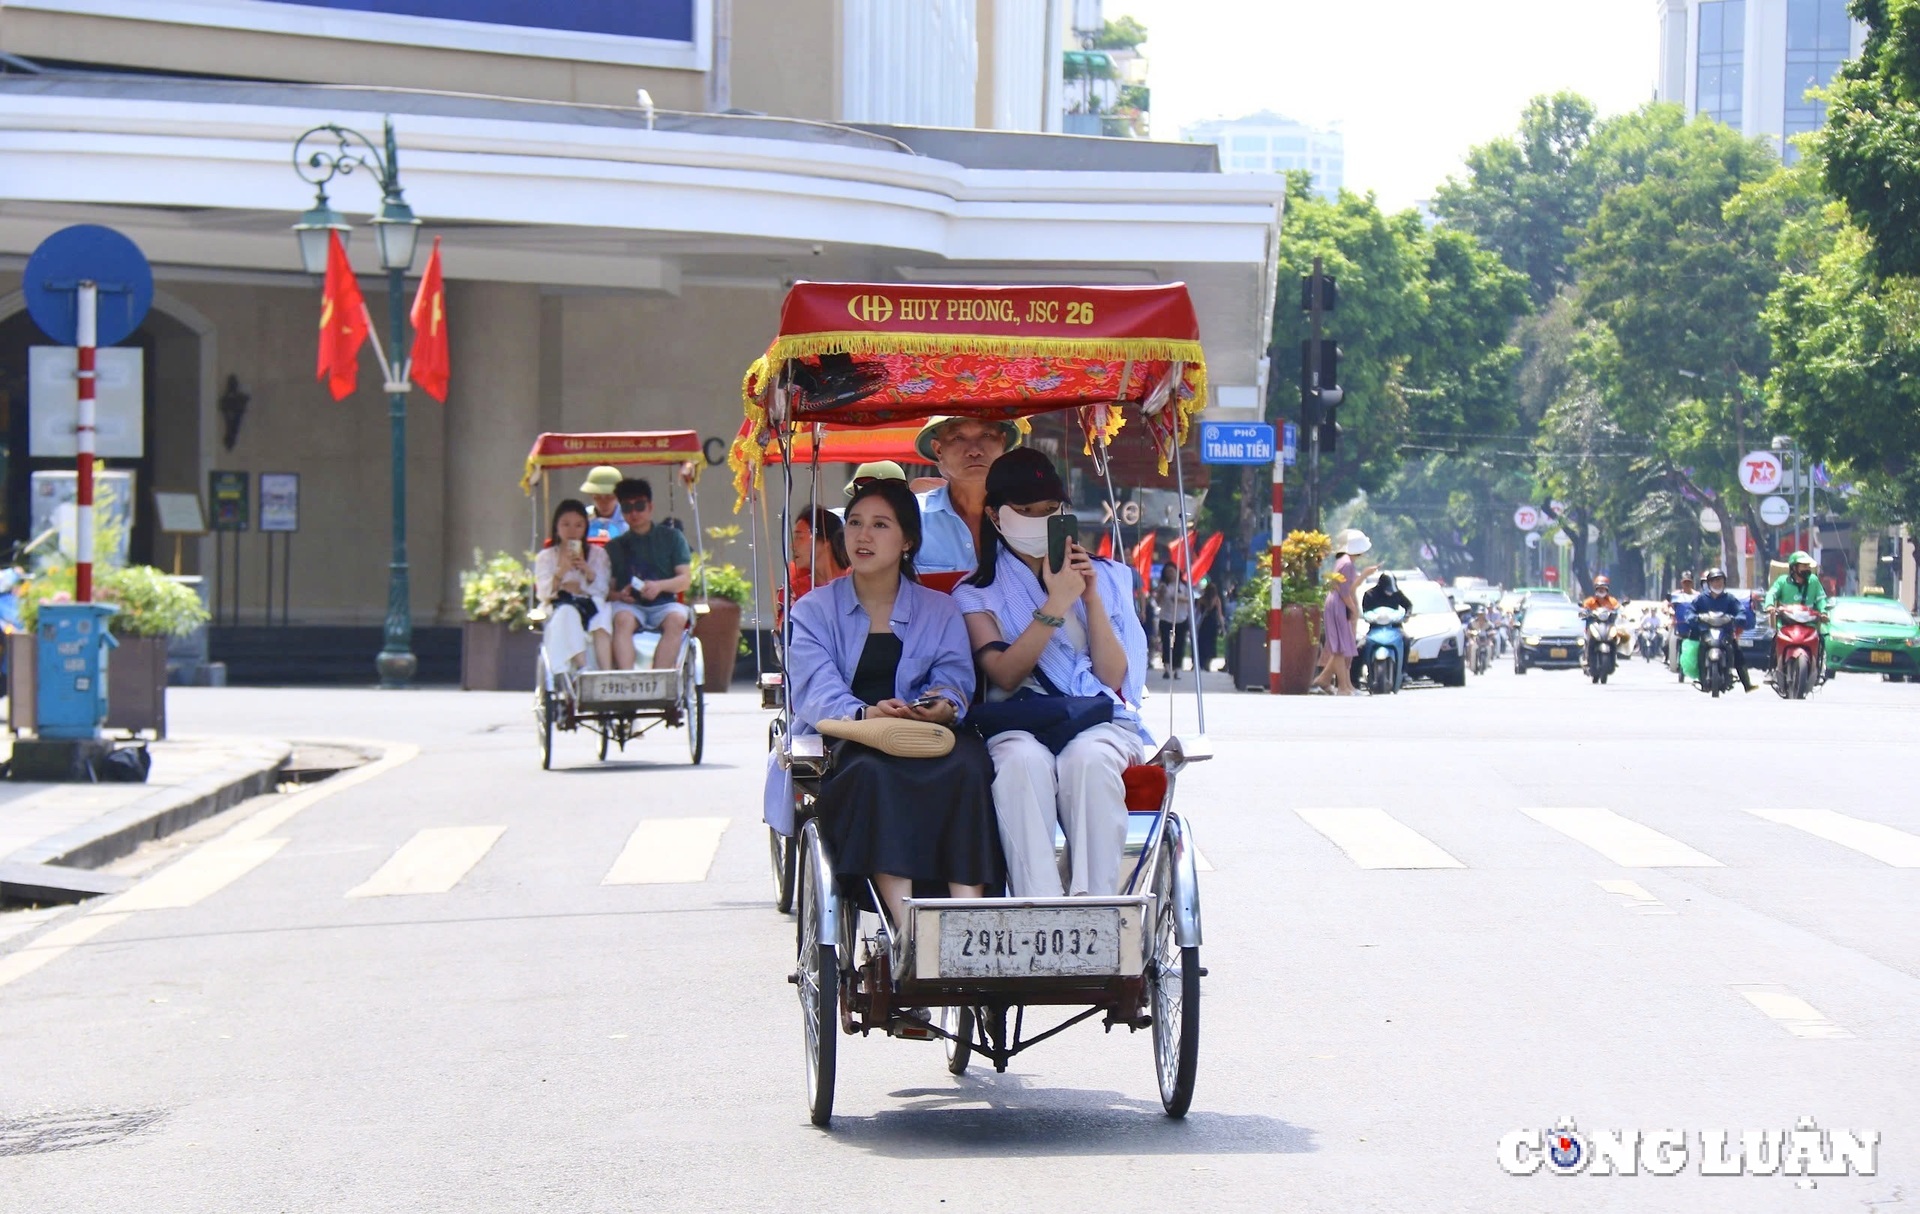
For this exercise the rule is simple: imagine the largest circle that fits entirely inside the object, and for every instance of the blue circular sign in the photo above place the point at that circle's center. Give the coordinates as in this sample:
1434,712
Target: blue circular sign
103,256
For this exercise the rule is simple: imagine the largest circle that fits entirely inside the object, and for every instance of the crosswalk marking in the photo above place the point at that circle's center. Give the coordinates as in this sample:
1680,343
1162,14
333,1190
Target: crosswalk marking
206,871
1792,1013
54,943
1638,899
667,851
1622,840
432,862
1372,839
1883,843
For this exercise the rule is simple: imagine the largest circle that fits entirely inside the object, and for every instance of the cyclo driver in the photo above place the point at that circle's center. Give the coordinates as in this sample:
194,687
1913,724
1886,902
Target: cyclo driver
1716,598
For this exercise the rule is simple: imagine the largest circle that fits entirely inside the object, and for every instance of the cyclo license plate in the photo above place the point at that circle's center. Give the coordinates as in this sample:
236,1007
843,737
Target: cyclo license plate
626,686
1556,653
1881,657
1025,942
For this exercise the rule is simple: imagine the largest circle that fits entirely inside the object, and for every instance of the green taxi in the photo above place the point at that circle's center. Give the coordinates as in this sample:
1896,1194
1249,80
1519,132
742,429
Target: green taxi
1872,635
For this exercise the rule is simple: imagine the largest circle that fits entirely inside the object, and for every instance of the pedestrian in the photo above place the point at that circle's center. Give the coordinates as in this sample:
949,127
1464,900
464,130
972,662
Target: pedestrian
1170,601
1213,622
1339,643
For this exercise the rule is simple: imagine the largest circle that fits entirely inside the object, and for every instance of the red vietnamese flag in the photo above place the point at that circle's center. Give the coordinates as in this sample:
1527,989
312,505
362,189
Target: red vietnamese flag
343,323
1143,558
430,364
1204,560
1106,545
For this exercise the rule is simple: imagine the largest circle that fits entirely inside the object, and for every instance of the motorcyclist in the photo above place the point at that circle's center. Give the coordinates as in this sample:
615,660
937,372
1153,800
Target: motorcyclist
1717,598
1602,596
1386,592
1798,587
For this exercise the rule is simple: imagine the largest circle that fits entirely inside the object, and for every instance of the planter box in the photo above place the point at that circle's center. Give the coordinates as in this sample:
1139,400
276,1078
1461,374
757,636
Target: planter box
1247,657
718,631
1299,652
137,685
494,657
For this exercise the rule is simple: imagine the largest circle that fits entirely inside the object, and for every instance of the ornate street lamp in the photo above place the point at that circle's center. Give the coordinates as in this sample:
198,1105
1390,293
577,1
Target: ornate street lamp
320,155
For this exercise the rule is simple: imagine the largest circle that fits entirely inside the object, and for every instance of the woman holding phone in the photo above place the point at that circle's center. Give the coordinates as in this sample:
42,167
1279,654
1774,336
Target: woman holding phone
878,645
570,578
1065,635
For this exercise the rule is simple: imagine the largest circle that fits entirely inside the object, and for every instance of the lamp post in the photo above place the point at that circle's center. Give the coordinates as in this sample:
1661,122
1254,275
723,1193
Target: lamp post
320,155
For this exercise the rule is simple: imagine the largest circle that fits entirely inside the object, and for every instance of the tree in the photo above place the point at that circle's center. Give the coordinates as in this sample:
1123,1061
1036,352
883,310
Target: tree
1528,195
1871,142
1120,34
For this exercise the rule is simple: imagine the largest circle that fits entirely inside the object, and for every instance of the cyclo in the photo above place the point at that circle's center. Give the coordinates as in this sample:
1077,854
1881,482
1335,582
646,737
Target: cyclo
1012,353
618,706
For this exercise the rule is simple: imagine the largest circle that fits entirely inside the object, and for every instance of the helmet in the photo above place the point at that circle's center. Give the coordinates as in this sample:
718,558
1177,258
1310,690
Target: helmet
1715,572
1602,583
1799,558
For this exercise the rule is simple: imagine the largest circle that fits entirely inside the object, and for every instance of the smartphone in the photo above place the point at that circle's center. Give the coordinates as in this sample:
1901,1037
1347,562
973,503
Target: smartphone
928,701
1060,528
574,547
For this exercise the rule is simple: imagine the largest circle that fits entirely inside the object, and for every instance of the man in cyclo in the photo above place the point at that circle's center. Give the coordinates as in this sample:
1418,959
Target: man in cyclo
651,566
950,515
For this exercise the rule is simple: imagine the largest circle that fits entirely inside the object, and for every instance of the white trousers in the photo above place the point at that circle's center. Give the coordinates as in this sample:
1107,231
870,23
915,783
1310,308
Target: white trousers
564,638
1080,788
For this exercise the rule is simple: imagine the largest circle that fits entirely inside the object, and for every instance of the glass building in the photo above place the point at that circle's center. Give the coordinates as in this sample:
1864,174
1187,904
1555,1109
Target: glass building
1751,63
1272,143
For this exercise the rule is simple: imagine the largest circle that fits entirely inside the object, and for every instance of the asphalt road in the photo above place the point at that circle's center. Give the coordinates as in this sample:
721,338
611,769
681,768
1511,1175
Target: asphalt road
272,1022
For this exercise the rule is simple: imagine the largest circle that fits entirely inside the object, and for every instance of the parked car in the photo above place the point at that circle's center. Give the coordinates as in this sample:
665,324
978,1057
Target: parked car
1548,634
1873,635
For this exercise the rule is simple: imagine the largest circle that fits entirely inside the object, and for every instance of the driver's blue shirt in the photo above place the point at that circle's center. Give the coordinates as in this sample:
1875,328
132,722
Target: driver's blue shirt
1725,602
946,543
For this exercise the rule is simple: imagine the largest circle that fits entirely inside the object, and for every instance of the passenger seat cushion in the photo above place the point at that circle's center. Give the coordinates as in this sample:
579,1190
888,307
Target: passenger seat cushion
1146,786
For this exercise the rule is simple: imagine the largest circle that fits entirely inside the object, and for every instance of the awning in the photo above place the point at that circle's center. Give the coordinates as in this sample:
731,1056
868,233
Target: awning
621,449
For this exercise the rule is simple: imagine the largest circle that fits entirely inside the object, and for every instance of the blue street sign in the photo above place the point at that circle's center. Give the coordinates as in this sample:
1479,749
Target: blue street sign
101,255
1289,444
1236,443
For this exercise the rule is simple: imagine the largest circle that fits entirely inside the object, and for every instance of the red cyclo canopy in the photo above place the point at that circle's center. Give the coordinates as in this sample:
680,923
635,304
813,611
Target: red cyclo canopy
619,449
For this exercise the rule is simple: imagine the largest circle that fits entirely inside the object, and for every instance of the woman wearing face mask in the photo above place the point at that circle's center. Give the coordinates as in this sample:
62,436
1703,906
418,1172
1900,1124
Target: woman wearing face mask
1069,633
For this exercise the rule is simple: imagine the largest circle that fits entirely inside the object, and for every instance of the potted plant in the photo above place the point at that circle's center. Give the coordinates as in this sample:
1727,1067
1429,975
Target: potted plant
1301,595
153,608
723,590
499,650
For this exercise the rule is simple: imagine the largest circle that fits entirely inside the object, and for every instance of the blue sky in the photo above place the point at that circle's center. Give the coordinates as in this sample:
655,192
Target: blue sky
1413,83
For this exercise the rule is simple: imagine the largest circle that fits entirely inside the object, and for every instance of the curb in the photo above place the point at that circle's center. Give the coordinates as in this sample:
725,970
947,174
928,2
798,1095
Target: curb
120,832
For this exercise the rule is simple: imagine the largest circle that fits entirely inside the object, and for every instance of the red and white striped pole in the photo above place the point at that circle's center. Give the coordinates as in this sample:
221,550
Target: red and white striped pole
1273,557
87,333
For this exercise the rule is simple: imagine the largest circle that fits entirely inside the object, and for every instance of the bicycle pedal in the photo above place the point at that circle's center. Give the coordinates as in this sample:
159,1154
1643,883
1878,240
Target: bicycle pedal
909,1029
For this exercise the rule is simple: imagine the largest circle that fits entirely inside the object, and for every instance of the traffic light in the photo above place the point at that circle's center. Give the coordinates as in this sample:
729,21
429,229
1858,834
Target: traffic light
1317,405
1329,293
1309,399
1329,437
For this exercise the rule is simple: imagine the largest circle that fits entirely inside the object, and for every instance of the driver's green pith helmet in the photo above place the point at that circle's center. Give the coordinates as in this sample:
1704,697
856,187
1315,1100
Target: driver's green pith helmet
1800,558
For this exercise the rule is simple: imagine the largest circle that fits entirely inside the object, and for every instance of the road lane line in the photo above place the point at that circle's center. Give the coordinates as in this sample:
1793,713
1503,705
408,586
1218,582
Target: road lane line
667,851
1883,843
54,943
1792,1013
1638,899
1622,840
208,870
432,862
270,819
1372,839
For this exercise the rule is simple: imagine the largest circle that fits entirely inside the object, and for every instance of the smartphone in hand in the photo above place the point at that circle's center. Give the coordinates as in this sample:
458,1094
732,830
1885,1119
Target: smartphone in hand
1060,528
574,547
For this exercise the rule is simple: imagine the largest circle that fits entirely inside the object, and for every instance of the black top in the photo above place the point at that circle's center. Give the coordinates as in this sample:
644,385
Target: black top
873,675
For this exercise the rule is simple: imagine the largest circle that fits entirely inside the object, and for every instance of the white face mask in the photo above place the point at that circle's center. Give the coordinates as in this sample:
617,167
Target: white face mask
1027,536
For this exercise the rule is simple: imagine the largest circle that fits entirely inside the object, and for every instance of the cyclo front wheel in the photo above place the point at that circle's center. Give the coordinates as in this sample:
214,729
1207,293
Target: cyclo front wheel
958,1021
1173,987
817,975
543,705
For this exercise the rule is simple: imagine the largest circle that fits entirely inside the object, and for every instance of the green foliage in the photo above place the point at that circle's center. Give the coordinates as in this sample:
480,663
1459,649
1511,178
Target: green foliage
498,589
151,604
721,581
1871,143
1255,597
1120,34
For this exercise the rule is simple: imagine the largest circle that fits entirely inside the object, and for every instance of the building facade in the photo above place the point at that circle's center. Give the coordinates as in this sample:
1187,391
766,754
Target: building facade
611,266
1750,63
1272,143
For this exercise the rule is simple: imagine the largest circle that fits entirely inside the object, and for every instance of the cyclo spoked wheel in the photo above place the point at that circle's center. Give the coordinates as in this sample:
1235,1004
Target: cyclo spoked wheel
693,702
818,979
543,701
783,851
959,1022
1173,993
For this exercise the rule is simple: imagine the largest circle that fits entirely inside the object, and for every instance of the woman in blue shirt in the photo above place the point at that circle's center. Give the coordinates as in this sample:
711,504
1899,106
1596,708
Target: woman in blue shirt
1070,632
879,644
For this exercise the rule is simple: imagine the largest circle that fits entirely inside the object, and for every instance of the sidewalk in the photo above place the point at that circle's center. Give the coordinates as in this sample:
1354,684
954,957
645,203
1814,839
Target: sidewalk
84,826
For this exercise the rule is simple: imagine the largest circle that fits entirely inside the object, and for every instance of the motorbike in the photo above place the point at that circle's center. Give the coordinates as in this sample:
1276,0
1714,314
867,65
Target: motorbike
1650,643
1385,649
1599,656
1717,640
1796,653
1480,645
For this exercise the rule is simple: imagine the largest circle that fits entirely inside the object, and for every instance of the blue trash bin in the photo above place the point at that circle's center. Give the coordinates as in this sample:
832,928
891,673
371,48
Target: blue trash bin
72,645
